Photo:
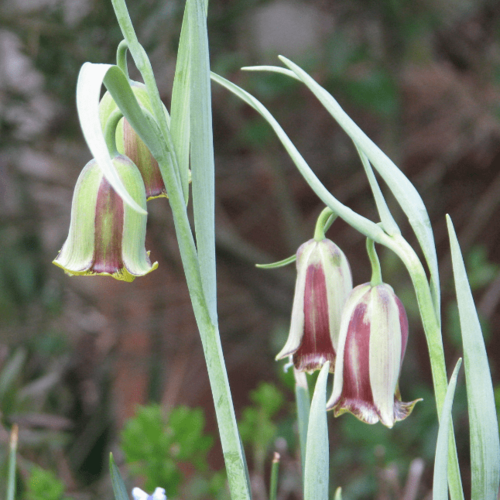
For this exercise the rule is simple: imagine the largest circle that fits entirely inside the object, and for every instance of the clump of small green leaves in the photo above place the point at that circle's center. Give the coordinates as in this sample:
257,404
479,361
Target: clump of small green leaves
156,445
257,428
44,485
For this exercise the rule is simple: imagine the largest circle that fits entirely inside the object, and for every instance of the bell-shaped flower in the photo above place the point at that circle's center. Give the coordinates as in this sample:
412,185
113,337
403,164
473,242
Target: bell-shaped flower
372,344
106,236
131,145
323,284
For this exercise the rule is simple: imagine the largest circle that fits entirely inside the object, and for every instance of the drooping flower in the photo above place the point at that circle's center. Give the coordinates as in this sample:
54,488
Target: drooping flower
158,494
106,236
131,145
323,283
372,344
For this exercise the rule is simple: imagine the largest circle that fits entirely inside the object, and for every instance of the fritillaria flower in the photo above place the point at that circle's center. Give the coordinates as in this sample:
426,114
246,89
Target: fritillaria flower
131,145
323,283
372,343
106,236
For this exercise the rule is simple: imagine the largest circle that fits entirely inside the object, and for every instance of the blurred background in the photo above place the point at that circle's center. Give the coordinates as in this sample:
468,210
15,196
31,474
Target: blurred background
78,355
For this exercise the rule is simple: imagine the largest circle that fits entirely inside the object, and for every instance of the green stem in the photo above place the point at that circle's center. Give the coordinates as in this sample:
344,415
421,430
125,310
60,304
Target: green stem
273,488
209,333
375,263
325,220
434,339
303,401
11,479
110,131
121,57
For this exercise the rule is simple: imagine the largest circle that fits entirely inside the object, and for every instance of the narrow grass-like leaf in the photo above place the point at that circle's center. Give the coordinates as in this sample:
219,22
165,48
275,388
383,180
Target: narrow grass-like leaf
11,371
386,217
401,187
272,69
303,402
338,494
440,482
316,475
280,263
88,92
11,478
180,109
483,422
273,487
363,225
119,488
202,154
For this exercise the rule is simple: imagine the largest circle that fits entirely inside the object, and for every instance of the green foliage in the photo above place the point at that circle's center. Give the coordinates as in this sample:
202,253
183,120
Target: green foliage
155,445
44,485
256,426
480,270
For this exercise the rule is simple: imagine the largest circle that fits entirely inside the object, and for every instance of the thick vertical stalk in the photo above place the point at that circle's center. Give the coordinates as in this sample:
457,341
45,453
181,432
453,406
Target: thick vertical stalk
209,333
434,339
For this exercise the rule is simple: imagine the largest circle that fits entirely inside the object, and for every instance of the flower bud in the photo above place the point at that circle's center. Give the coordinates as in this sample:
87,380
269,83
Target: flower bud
131,145
323,283
372,344
106,236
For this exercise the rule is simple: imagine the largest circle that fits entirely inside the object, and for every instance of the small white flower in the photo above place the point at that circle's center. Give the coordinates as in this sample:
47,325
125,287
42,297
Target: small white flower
159,494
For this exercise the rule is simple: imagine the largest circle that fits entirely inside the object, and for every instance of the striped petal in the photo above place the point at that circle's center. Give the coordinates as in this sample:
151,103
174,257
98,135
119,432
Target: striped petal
323,283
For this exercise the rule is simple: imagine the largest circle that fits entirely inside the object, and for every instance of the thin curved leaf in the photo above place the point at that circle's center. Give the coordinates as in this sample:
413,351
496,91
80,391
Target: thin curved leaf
280,263
316,474
440,482
88,92
363,225
483,422
403,190
389,224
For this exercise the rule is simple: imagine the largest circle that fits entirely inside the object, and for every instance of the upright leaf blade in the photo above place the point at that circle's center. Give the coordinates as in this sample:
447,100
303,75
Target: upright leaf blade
202,153
303,402
316,473
440,483
483,422
180,110
119,488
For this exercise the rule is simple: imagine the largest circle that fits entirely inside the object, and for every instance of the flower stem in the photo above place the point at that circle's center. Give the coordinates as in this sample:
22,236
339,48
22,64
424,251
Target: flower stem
303,402
11,480
121,57
325,220
434,339
209,332
375,263
273,488
110,131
